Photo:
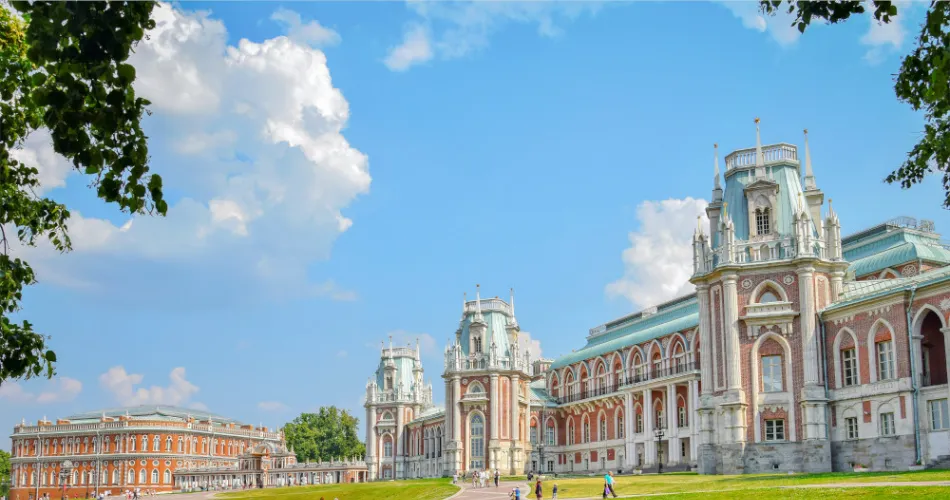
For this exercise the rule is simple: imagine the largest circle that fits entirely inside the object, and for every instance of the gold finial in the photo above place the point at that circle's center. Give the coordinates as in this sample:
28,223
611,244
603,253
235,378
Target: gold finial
756,120
715,145
806,131
699,222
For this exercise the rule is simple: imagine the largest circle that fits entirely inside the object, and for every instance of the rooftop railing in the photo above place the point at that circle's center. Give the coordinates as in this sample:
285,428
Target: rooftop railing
634,379
773,153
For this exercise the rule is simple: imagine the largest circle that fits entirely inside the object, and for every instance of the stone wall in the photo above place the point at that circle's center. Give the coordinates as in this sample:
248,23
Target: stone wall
809,456
882,453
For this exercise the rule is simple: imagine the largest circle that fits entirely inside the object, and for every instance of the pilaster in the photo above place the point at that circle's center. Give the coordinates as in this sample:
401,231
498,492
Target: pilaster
649,446
371,441
672,427
946,349
731,330
705,338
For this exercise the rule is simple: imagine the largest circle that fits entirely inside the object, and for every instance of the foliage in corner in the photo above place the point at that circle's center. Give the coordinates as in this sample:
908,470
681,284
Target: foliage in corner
326,435
63,67
4,473
923,81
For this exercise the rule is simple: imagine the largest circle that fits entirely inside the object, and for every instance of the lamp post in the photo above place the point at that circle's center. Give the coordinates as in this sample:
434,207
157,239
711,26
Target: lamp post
65,472
659,444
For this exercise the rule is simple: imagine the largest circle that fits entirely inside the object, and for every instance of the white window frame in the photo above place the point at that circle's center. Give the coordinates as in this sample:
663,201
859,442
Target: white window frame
887,423
775,429
849,367
885,359
851,427
772,373
939,416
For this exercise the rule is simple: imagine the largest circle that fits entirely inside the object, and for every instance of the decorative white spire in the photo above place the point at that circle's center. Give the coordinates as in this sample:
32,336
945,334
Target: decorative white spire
390,347
809,174
759,157
716,184
478,302
512,292
418,353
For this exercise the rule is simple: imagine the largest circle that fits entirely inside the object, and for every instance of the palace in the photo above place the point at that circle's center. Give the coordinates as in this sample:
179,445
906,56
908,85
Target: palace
124,448
799,351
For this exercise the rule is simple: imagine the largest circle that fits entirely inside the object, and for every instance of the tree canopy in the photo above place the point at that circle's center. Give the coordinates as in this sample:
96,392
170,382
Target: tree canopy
923,81
4,472
330,433
63,67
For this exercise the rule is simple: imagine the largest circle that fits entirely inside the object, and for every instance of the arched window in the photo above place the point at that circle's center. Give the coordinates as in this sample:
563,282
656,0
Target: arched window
477,345
132,444
619,426
475,388
477,441
154,476
772,374
387,447
570,432
142,477
602,429
549,433
762,225
115,476
131,478
181,444
168,443
144,443
586,436
167,477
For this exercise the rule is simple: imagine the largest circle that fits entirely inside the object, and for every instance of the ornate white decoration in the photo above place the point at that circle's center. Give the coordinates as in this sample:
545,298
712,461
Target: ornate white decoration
788,279
945,305
909,270
746,284
465,381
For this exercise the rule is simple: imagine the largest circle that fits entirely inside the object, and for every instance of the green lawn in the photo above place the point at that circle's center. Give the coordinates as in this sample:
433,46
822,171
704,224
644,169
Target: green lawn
689,482
934,492
421,489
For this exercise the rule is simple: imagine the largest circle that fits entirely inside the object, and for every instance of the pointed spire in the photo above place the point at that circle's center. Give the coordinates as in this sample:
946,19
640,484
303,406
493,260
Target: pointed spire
716,184
512,292
390,347
759,157
809,174
478,301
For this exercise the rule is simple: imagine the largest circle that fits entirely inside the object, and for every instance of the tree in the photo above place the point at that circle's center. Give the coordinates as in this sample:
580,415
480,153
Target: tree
62,67
330,433
923,81
4,472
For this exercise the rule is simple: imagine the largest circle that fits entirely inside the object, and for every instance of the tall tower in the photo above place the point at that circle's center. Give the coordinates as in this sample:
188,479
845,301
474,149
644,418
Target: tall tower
761,277
486,390
394,396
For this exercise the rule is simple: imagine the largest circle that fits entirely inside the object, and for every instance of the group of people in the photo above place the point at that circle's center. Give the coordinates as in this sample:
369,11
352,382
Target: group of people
480,479
539,489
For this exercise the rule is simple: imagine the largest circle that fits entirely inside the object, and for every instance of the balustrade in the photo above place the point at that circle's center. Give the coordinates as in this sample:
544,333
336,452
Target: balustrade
645,376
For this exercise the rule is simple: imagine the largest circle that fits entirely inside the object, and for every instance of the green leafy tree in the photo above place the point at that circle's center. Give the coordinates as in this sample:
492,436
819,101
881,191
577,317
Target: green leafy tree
923,81
63,67
4,473
330,433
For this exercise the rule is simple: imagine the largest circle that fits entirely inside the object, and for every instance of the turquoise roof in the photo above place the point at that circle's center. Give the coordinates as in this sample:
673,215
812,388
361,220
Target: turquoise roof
151,412
790,187
404,372
429,413
860,291
899,254
539,393
674,316
497,323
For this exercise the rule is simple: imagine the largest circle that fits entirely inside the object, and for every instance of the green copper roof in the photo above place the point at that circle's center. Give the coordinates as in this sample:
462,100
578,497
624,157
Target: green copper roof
151,412
789,194
497,323
908,251
539,393
860,291
675,316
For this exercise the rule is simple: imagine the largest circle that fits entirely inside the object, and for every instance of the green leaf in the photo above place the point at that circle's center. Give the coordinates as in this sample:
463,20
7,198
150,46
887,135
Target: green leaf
126,73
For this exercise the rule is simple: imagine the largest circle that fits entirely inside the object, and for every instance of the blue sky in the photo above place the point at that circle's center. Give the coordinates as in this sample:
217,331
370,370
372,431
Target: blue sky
340,172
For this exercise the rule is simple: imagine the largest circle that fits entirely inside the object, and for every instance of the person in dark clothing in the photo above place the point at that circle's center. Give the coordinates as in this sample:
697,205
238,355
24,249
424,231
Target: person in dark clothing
537,489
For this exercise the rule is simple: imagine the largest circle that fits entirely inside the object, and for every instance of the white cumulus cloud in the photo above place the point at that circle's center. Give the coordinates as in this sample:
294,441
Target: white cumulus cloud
451,30
249,139
659,261
529,345
57,390
125,388
779,26
884,39
311,32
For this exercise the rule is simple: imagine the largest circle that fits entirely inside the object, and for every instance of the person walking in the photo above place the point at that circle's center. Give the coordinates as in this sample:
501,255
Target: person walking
538,490
554,492
609,480
497,475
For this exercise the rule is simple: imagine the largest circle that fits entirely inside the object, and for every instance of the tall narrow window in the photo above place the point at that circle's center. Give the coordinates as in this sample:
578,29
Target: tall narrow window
586,432
762,221
477,440
534,434
885,360
772,374
887,424
639,423
570,433
851,426
603,429
388,448
549,435
939,418
619,425
478,345
682,416
849,367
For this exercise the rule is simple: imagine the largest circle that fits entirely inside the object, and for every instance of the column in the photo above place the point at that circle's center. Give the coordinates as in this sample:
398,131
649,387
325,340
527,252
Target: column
806,294
513,412
731,332
398,445
837,278
705,339
456,413
673,426
692,415
946,350
495,407
630,449
649,445
371,440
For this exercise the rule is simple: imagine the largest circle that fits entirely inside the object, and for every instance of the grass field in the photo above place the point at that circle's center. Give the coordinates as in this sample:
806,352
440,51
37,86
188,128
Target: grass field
421,489
749,486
